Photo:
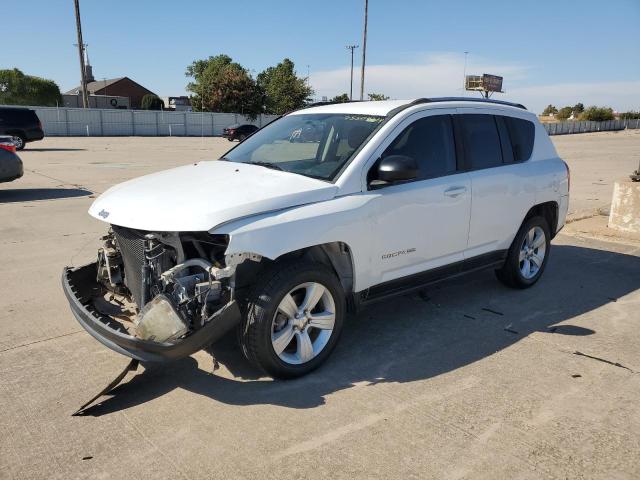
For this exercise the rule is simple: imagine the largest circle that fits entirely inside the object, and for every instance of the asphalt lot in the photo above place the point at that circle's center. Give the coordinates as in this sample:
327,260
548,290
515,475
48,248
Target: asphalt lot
468,380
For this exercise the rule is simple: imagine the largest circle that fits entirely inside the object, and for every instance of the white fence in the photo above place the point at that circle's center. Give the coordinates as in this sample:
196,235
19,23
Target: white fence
109,122
569,127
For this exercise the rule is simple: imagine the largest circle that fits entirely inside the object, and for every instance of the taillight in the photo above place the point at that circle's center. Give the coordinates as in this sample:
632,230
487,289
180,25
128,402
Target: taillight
9,148
568,176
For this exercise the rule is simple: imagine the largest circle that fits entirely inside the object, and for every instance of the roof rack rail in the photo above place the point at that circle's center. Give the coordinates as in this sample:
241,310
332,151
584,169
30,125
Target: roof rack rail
466,99
328,102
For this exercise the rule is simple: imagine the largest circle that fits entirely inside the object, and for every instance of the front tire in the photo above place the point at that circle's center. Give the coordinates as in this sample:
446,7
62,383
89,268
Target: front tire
293,319
528,254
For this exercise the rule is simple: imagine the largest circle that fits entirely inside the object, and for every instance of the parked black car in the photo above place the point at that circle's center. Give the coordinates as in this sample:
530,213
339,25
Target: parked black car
238,132
22,124
10,163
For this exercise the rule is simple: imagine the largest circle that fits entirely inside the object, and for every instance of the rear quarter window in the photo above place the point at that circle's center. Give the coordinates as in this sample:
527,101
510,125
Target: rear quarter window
522,135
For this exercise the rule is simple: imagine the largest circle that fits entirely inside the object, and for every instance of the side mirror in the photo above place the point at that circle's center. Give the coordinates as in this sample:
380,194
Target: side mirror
397,168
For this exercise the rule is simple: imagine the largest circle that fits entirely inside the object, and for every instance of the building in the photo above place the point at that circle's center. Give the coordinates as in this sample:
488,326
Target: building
95,101
179,104
116,87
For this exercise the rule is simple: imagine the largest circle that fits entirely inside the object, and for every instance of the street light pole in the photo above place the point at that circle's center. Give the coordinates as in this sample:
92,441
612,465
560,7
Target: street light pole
352,48
83,78
364,48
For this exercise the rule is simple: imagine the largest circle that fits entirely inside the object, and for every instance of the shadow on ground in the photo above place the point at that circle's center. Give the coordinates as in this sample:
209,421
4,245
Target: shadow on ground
13,195
413,337
29,149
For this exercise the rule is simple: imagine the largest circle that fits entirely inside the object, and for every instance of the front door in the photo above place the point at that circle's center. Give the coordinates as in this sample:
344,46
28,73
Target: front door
421,224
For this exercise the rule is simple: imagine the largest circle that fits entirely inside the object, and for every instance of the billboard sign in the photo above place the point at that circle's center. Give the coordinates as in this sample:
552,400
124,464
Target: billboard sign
491,83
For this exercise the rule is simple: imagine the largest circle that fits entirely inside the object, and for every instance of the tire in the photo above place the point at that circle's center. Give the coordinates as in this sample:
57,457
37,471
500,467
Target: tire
230,139
19,141
267,327
526,262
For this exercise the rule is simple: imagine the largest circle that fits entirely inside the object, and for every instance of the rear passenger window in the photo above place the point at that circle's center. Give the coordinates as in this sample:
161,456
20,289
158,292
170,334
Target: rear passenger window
522,134
481,141
429,141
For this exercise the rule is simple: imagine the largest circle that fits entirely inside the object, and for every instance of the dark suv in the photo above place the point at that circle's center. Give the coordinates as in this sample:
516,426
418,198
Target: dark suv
22,124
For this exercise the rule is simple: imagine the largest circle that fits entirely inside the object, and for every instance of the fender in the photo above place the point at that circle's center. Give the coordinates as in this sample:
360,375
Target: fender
343,219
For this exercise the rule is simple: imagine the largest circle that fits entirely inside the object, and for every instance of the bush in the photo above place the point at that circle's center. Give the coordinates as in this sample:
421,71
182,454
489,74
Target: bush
597,114
152,102
340,98
549,110
16,88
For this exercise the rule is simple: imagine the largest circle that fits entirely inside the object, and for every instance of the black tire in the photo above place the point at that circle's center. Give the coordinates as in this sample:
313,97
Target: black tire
230,139
19,141
260,311
511,273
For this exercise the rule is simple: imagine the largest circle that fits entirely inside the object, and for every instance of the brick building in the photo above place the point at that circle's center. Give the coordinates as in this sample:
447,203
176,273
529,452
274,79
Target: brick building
121,87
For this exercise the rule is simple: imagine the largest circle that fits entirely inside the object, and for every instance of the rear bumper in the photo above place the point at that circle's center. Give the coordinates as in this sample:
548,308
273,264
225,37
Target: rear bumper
79,284
34,135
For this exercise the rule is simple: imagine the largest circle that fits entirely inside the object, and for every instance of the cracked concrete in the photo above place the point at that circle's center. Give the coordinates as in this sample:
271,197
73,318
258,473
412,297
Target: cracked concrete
424,386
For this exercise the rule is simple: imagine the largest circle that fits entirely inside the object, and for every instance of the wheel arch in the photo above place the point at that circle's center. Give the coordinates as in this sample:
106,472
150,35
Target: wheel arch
548,211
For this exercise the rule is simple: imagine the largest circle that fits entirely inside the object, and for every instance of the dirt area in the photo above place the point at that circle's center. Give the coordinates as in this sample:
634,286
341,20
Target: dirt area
469,379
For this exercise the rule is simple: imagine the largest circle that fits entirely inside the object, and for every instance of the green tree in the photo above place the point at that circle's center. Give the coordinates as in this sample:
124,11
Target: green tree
16,88
283,89
222,85
597,114
630,115
564,113
549,110
152,102
377,96
578,108
343,98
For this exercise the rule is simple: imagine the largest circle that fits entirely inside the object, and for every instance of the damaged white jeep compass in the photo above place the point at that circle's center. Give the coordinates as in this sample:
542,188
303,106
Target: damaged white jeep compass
322,211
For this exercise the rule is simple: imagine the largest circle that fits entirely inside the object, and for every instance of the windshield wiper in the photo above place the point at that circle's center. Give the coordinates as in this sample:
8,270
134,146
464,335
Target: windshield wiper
267,164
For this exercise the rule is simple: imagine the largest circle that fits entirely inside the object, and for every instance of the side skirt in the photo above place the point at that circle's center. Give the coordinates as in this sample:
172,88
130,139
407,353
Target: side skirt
417,281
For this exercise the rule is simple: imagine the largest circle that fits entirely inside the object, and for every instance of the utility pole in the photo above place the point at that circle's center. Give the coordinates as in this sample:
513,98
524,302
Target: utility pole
83,78
364,48
352,48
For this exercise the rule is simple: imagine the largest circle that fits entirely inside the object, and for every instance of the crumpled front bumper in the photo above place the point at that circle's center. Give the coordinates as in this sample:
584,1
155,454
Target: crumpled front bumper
79,285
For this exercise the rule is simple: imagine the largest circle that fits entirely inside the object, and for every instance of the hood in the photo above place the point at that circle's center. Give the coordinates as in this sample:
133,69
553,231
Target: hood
201,196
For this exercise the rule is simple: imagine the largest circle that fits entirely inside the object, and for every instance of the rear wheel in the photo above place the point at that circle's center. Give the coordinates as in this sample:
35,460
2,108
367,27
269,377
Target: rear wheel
527,255
293,319
19,141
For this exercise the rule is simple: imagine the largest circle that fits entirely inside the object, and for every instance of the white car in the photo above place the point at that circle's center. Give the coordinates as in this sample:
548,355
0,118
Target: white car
284,238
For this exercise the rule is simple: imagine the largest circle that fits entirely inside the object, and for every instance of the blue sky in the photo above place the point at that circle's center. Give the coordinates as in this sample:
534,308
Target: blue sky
558,51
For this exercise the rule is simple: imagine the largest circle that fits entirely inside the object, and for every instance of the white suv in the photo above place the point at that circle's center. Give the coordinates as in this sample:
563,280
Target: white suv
319,213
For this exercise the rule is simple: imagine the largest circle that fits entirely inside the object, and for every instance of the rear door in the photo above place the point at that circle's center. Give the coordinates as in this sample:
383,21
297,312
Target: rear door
502,192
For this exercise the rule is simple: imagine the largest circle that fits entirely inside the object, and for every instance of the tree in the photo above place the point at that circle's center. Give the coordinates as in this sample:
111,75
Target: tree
597,114
630,115
564,113
578,108
283,89
343,98
549,110
222,85
152,102
377,96
16,88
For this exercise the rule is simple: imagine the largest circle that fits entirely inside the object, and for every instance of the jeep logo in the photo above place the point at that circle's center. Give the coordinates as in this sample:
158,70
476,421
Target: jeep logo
103,213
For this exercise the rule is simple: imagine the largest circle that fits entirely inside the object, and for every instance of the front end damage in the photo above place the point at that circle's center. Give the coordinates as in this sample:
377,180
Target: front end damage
156,296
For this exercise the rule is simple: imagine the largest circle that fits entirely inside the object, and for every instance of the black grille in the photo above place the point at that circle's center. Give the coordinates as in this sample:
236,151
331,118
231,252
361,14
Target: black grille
131,245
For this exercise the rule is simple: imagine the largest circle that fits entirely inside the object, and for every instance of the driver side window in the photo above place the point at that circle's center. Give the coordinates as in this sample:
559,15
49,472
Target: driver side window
430,142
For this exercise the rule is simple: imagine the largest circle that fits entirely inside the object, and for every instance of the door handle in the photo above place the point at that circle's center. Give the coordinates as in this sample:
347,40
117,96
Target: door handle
455,191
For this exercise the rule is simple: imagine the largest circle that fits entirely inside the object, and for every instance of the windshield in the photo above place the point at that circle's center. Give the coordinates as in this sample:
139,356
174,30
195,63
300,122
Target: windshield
315,145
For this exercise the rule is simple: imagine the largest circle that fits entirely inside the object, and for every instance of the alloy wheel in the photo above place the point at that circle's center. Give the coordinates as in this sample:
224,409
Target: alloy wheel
532,252
303,323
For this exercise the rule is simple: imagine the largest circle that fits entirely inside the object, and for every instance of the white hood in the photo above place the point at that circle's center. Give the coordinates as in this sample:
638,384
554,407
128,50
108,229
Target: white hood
201,196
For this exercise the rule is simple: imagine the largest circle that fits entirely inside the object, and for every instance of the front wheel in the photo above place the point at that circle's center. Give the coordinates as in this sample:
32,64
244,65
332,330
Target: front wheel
527,255
293,319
